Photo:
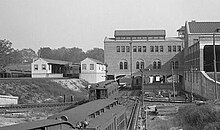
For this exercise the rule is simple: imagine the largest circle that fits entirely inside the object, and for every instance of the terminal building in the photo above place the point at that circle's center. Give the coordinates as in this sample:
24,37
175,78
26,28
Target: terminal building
131,50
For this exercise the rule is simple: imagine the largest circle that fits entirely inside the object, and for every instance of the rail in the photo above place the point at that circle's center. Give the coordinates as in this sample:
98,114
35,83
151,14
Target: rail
131,119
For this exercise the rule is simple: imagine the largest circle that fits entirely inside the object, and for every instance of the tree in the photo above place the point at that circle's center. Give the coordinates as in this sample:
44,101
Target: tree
96,53
28,55
45,52
5,51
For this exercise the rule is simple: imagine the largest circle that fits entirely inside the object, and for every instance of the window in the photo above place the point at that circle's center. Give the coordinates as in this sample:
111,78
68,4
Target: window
97,113
156,48
159,65
195,41
161,48
127,49
172,64
139,48
118,48
35,67
91,66
125,65
128,38
144,49
121,65
122,48
83,66
137,65
142,65
176,66
179,48
43,66
134,48
154,65
169,48
151,48
174,48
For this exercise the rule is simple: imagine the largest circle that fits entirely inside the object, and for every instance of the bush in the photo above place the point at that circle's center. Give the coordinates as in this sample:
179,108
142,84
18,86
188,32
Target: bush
198,117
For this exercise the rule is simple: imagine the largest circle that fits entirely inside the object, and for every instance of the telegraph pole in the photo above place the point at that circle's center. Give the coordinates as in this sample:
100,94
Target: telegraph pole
131,63
191,71
215,76
174,97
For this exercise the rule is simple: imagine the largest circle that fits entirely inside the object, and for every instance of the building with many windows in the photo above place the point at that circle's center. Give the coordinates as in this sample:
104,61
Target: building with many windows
131,50
198,64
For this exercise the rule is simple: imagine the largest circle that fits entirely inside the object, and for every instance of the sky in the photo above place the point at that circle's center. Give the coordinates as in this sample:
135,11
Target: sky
85,23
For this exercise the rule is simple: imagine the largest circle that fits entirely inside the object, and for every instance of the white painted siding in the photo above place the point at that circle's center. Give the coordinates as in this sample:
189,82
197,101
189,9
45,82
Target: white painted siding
95,75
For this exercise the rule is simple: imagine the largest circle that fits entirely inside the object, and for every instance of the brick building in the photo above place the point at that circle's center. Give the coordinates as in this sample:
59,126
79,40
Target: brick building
131,50
198,57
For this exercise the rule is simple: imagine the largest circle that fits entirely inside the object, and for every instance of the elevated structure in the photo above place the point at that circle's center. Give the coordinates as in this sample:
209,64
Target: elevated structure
199,57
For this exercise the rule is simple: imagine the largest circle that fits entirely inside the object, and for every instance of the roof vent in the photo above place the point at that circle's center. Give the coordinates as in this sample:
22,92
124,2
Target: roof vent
193,20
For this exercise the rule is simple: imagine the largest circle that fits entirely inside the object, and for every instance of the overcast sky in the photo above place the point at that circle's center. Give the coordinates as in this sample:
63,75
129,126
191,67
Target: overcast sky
85,23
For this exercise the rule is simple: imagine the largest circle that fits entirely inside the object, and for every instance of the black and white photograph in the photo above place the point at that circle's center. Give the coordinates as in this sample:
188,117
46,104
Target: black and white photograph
109,65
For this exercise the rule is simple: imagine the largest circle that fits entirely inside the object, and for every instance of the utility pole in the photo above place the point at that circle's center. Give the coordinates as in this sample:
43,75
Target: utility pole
131,63
215,75
174,97
191,71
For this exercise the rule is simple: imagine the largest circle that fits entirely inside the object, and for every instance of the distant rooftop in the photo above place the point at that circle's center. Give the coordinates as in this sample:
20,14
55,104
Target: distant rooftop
141,33
56,61
203,27
97,61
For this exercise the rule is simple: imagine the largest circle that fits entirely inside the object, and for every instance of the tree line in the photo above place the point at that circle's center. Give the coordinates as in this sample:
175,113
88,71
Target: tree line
9,55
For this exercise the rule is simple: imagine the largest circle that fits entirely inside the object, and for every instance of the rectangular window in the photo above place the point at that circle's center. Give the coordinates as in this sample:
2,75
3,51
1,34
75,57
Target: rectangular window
174,48
83,66
139,48
161,48
35,67
43,66
122,48
128,38
91,66
179,48
169,48
156,48
151,48
134,48
118,48
144,48
127,49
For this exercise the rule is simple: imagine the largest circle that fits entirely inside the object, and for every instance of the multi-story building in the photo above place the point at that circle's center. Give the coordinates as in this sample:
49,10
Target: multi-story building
131,50
198,57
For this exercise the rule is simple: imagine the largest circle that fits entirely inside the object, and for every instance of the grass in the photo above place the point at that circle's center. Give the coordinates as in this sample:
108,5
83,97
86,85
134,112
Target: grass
37,90
204,117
